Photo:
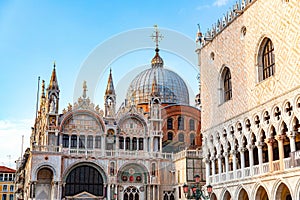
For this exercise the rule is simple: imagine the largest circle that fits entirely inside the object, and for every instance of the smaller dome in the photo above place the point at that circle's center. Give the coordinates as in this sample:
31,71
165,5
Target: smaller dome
157,61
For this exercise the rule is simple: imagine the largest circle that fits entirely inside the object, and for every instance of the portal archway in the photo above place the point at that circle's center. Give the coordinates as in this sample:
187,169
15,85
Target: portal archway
44,184
84,179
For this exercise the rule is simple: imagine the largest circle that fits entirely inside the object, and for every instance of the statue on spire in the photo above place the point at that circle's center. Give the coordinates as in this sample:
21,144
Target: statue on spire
84,89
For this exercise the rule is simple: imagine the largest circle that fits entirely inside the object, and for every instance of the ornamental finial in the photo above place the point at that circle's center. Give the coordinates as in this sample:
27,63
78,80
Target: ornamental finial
156,36
84,89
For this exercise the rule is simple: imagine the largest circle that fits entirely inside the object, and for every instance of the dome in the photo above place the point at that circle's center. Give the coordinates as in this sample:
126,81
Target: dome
158,81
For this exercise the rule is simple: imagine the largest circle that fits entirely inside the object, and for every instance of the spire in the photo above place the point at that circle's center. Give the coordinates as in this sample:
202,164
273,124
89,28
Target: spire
84,86
157,61
43,89
154,86
110,85
53,81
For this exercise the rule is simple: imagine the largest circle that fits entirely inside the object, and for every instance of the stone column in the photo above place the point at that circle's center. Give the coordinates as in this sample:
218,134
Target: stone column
153,191
233,152
269,142
242,153
207,169
117,143
251,159
260,157
213,167
220,166
292,141
103,142
108,195
225,154
280,139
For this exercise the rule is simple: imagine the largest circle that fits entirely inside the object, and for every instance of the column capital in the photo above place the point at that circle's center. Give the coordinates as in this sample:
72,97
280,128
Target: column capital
220,156
233,152
279,137
250,147
269,141
259,144
225,154
242,149
292,134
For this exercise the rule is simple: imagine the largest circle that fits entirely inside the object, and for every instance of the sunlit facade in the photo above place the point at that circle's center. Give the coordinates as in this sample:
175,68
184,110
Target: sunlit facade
250,89
146,149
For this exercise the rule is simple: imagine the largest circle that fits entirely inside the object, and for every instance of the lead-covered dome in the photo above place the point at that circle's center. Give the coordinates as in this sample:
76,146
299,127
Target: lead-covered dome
158,81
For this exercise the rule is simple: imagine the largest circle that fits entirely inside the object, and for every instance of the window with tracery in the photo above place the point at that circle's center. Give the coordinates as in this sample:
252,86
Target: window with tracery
268,59
227,85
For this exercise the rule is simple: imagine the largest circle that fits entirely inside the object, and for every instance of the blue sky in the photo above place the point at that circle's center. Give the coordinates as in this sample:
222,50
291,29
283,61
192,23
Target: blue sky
35,33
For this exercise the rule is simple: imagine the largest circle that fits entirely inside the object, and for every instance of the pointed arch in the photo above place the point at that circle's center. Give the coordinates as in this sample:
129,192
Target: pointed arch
281,191
261,193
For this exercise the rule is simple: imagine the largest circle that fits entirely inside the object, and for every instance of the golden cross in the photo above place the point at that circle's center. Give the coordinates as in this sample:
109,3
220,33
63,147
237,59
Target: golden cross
156,36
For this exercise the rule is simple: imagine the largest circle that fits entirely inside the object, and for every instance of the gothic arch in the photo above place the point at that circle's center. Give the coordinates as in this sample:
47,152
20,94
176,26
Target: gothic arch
47,165
280,189
225,194
240,191
258,193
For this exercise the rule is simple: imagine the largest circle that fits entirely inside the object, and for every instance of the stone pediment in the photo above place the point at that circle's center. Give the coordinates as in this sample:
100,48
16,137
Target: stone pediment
84,195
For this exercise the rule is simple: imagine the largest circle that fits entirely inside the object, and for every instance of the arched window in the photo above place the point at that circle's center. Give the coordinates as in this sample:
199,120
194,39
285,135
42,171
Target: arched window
266,60
181,137
90,141
192,125
74,141
121,142
98,142
112,168
227,84
153,169
141,144
65,141
134,143
170,136
84,178
127,144
82,141
170,123
192,139
180,123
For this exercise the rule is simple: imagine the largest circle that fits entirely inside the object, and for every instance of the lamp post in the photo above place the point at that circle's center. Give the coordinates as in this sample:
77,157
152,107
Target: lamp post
194,191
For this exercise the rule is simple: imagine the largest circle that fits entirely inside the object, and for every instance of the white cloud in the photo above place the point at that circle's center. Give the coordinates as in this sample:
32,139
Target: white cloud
11,132
220,2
